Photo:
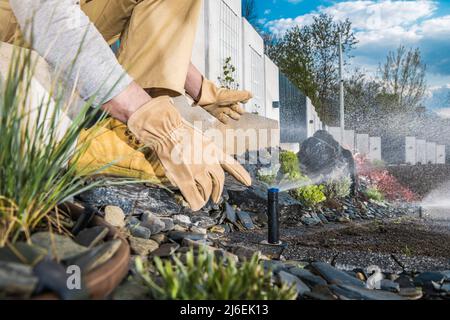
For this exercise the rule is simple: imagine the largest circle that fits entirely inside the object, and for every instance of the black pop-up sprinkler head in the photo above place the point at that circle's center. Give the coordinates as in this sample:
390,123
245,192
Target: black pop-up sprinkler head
273,216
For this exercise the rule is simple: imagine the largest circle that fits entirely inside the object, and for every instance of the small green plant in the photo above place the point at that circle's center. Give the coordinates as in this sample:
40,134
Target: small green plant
290,165
227,80
374,194
337,188
203,276
268,179
311,195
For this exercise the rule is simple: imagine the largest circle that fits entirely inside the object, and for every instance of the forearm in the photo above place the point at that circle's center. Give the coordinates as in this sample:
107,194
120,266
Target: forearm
71,44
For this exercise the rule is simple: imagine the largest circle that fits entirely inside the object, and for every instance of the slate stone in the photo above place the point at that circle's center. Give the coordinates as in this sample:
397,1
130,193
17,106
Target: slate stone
135,199
54,277
307,277
203,221
140,232
388,285
142,247
92,236
335,276
165,250
230,213
152,222
57,246
426,278
358,293
179,236
182,220
16,280
159,238
246,220
273,265
22,252
321,292
291,280
169,225
95,257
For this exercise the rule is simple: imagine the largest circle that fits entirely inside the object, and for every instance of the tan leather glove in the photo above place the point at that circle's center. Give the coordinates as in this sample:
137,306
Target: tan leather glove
192,162
223,103
103,152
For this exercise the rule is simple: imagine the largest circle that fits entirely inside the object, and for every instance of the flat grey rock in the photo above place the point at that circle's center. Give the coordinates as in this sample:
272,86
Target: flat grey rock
57,246
349,292
245,219
335,276
180,235
22,252
16,280
97,256
142,247
291,280
140,232
307,277
92,236
165,250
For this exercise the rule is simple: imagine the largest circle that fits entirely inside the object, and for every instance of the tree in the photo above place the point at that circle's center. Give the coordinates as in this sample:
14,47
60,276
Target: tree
403,80
308,55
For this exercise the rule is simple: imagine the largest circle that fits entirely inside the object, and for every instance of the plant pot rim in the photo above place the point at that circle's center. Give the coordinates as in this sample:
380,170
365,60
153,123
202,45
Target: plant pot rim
101,281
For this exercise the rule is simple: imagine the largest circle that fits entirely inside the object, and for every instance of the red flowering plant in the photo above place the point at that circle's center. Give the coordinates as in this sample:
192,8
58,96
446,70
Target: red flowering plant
376,176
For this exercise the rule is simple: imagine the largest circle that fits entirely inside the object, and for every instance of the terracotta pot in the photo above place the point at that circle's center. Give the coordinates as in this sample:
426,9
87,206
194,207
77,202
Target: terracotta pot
101,281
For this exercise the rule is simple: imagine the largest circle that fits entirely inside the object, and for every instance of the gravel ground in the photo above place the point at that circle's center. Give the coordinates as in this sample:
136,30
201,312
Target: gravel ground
418,244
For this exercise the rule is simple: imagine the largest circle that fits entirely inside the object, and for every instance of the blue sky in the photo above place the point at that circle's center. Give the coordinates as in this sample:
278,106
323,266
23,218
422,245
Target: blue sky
380,26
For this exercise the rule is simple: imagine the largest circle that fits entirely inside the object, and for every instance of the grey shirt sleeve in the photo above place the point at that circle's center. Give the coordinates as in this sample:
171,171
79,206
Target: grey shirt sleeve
60,32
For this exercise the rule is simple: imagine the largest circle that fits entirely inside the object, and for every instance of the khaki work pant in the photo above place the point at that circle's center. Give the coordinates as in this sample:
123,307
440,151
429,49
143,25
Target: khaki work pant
157,36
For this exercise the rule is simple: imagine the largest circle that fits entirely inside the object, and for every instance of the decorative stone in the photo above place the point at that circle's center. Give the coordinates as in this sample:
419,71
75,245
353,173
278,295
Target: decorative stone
245,219
198,230
92,236
132,222
152,222
230,213
16,280
53,277
22,252
219,229
159,238
166,250
57,246
179,228
335,276
273,265
358,293
426,278
388,285
140,232
115,216
291,280
246,253
204,222
142,247
96,256
179,236
307,277
181,219
223,254
131,290
168,224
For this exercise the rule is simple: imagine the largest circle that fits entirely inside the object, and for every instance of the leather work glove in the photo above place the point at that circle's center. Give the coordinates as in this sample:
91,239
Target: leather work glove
223,103
192,162
103,152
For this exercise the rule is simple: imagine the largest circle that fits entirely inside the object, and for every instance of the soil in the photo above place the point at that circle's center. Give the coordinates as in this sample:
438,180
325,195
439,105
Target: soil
415,244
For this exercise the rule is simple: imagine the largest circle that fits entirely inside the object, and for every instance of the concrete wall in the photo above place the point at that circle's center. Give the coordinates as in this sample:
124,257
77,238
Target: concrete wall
375,148
410,150
336,133
431,152
272,89
362,144
349,140
421,151
253,68
440,154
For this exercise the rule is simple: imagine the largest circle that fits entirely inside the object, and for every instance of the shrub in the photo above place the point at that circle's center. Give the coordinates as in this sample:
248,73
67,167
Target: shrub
290,165
310,195
206,277
374,194
337,188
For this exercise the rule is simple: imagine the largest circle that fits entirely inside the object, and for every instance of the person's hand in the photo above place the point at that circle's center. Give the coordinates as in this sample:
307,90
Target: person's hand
192,162
223,103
